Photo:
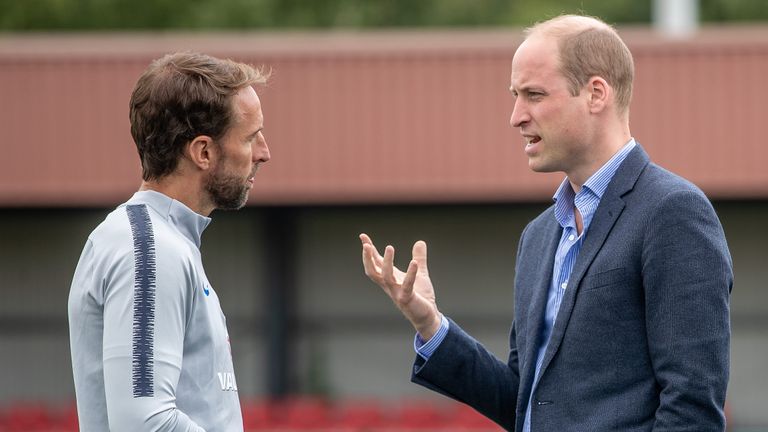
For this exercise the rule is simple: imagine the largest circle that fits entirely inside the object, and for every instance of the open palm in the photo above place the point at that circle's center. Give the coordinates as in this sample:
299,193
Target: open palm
411,291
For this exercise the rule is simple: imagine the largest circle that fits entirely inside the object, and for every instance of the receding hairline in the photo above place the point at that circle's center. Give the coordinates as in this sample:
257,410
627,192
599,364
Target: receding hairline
567,25
587,46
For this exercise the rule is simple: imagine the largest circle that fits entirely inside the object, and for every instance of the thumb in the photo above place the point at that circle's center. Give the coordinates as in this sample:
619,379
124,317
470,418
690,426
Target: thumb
419,254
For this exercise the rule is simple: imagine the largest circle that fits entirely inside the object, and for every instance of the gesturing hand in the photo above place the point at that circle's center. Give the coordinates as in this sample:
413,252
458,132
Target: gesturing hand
412,291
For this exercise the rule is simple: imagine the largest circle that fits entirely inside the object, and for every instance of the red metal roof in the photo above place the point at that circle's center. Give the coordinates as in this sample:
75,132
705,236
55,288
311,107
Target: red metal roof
373,117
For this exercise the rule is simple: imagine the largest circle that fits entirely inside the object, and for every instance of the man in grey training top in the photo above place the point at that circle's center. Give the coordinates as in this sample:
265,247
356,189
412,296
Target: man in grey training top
150,348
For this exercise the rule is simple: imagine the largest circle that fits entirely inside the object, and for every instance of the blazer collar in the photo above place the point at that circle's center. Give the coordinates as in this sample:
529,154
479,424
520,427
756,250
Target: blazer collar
627,174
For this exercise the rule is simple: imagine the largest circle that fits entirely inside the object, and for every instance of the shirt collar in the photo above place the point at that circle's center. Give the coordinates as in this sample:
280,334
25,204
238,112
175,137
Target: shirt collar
597,183
564,202
190,224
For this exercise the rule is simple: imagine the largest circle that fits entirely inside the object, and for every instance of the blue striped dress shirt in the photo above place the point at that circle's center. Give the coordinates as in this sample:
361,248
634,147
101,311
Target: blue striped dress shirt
565,199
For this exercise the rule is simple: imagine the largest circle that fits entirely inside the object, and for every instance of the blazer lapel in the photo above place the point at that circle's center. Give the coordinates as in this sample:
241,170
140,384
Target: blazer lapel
608,211
535,313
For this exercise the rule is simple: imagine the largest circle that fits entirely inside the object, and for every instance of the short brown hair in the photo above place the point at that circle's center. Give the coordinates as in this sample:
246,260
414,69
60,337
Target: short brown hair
589,47
179,97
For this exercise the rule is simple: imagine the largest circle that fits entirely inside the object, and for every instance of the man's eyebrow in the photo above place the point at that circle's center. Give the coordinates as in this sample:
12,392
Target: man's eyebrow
256,132
526,89
518,90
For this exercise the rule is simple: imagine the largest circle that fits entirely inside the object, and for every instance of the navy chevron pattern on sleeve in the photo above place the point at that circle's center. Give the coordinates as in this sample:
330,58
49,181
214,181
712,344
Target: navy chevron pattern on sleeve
143,301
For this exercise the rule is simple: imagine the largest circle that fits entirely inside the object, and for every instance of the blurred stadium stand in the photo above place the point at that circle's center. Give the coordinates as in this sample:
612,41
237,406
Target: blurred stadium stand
403,135
290,415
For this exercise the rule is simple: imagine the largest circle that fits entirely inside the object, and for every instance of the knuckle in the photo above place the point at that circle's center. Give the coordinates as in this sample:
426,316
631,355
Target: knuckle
401,299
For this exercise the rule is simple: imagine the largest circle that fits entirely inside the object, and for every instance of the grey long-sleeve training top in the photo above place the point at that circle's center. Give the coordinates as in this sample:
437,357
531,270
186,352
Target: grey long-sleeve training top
150,347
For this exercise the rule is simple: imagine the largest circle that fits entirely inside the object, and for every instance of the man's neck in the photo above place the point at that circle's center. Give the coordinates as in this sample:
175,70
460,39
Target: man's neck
611,145
181,190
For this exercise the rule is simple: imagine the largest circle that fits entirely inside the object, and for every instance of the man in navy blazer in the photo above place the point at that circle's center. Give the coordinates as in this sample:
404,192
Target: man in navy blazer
622,287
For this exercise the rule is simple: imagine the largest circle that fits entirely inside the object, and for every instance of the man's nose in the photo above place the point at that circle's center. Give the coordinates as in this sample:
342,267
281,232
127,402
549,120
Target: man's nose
261,150
519,114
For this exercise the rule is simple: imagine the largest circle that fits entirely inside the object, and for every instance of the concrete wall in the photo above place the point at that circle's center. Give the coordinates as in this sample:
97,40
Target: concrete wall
350,341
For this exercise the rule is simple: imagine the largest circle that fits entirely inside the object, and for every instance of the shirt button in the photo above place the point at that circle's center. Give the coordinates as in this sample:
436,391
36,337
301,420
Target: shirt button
571,237
563,285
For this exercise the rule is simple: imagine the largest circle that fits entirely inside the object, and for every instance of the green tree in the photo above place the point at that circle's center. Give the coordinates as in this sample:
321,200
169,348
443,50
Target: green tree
64,15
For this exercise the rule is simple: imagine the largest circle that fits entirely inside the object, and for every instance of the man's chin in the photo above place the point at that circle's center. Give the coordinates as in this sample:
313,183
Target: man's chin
232,203
538,167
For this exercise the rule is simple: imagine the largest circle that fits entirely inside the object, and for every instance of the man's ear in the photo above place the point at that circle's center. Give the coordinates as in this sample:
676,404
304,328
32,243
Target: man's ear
599,94
202,152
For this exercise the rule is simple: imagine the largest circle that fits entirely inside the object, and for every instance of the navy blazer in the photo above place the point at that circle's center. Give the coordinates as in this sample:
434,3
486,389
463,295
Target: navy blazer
641,340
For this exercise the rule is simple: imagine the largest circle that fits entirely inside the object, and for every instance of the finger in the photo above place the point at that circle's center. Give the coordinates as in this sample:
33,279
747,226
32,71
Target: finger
419,254
375,253
371,270
410,278
376,257
387,267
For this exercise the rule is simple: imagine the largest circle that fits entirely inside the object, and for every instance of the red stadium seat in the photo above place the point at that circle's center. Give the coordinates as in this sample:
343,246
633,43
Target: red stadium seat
420,415
306,413
28,417
356,416
259,415
465,418
66,420
292,414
